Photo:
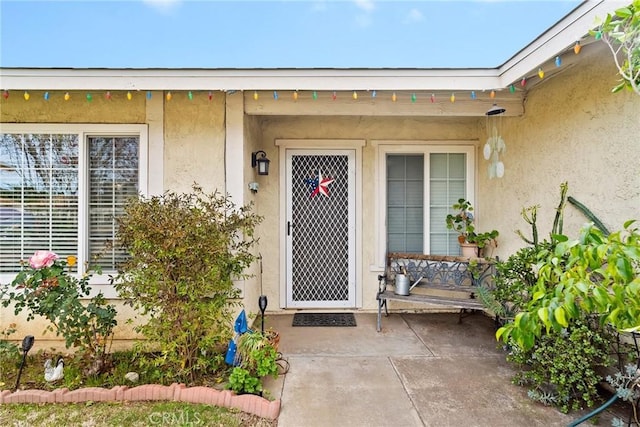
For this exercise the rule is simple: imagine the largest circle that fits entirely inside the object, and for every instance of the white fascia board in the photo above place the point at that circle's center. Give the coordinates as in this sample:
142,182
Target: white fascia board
248,79
557,39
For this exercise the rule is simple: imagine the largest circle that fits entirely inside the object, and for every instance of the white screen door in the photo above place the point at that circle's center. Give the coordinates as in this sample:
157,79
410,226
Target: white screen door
320,228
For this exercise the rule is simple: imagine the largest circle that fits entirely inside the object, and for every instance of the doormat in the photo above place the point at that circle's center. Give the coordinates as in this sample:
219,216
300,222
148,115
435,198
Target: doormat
324,319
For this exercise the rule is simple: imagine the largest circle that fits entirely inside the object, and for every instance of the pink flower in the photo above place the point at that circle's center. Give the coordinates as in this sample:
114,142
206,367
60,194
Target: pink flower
42,259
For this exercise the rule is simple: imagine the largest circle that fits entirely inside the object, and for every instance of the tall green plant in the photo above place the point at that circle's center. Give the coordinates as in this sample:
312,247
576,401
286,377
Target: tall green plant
185,249
621,32
594,274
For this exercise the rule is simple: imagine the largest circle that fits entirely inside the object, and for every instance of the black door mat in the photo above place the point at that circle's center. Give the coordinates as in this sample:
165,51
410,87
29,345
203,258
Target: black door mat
324,319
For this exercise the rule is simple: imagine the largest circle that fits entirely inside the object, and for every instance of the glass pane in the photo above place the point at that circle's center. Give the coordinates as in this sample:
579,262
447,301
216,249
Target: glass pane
414,220
447,183
38,196
405,203
457,166
438,165
113,179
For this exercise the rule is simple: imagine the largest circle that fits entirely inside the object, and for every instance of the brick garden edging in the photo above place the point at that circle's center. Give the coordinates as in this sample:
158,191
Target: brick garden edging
249,403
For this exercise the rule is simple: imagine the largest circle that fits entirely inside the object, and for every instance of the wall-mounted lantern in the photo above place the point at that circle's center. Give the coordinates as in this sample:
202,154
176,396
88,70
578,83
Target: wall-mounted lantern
261,162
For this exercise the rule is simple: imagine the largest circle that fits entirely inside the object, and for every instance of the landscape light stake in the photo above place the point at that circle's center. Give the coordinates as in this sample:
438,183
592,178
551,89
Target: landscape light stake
262,300
27,343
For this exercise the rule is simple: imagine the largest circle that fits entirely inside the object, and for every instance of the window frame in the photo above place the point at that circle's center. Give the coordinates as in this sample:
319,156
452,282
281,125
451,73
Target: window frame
415,147
84,131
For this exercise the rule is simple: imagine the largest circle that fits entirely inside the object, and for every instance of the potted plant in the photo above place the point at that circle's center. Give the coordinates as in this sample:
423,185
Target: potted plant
463,222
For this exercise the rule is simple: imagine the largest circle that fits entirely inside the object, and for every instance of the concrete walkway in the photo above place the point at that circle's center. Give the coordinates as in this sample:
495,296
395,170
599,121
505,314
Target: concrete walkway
420,370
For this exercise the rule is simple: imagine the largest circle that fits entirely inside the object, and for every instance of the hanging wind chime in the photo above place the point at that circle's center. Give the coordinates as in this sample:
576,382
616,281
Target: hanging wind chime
495,146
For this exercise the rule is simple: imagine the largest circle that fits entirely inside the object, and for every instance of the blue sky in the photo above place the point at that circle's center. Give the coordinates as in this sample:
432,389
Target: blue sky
271,34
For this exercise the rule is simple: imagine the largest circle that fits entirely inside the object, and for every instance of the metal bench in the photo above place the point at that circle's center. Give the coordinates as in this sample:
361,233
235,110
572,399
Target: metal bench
447,281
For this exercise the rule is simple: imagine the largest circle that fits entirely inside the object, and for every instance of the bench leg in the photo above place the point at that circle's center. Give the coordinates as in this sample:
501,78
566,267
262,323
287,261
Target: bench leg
381,302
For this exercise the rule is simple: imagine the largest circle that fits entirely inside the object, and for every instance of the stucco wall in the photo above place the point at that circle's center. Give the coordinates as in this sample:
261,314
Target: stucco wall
77,109
194,142
575,130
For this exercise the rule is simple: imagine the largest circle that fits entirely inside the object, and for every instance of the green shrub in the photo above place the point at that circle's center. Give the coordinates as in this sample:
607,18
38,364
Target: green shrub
561,369
185,250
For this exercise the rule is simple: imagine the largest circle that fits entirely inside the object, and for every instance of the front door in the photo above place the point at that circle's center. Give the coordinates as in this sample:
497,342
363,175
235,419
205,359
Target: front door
320,228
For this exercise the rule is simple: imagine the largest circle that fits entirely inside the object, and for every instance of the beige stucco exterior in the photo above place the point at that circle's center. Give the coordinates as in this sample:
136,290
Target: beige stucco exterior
571,129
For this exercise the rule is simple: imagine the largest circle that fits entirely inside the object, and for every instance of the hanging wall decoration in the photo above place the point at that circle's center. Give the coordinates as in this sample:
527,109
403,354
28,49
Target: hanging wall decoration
495,146
318,184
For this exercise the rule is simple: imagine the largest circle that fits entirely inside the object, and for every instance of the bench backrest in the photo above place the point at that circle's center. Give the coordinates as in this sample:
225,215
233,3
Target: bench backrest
441,270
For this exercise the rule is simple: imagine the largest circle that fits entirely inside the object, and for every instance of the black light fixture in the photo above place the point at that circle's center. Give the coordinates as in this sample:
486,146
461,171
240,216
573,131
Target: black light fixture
27,343
262,162
494,110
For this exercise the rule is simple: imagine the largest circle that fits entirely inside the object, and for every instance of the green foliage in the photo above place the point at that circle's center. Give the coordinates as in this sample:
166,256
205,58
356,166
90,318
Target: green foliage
595,274
512,283
243,381
258,358
621,32
55,294
9,352
544,293
185,251
463,223
560,369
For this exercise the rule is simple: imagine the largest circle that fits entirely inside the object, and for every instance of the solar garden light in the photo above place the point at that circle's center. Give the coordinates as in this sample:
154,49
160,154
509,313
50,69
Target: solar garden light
262,299
27,343
262,303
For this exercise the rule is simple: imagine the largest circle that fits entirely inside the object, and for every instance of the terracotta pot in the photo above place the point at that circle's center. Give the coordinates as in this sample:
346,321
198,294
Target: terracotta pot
469,250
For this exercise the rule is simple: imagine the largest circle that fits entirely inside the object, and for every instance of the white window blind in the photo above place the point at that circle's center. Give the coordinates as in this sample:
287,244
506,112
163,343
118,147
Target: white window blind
113,180
447,184
38,196
63,192
405,203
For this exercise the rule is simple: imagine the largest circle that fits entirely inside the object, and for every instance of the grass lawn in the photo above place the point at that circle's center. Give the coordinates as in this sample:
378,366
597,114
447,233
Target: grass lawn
126,414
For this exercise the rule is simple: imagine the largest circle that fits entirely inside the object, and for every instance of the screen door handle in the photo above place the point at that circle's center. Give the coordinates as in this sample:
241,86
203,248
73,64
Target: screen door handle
289,225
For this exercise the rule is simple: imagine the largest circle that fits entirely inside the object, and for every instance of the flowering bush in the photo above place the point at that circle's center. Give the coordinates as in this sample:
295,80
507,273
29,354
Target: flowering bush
47,288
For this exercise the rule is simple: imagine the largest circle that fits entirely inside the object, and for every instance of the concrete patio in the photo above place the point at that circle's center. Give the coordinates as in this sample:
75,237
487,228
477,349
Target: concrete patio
420,370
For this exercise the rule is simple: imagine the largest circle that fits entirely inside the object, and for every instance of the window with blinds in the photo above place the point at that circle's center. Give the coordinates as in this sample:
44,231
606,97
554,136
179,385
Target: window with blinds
43,193
113,179
447,184
405,203
420,189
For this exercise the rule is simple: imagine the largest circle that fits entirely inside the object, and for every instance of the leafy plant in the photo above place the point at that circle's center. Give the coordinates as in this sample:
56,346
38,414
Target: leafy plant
463,223
9,352
621,32
627,387
186,250
258,358
47,288
561,369
594,274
